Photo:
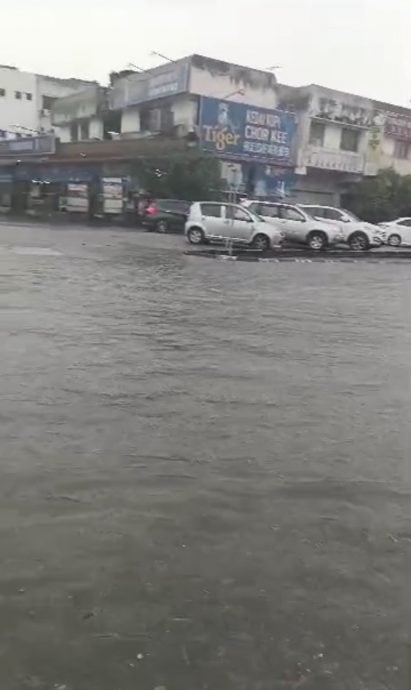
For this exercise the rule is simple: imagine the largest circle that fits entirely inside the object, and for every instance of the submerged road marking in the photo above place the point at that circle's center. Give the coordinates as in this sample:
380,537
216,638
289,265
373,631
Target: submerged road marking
30,251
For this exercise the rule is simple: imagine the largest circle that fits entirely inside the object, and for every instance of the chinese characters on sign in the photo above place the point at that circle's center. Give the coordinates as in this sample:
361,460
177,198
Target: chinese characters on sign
337,111
28,146
341,161
167,80
398,127
235,130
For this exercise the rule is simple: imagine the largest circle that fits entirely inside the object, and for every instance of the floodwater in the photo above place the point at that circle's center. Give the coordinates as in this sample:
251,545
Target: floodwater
204,472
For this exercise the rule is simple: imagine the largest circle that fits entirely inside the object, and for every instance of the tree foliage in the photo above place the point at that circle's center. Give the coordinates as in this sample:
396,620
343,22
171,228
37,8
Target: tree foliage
184,176
384,197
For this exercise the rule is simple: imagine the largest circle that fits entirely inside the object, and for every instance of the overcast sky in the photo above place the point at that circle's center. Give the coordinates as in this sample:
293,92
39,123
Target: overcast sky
361,46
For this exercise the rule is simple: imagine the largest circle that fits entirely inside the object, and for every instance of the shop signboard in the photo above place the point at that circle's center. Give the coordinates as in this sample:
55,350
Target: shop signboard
55,173
28,146
353,113
330,159
112,195
398,128
246,133
167,80
77,199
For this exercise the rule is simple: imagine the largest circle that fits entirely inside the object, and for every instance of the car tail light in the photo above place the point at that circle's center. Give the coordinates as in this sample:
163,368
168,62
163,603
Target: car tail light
150,210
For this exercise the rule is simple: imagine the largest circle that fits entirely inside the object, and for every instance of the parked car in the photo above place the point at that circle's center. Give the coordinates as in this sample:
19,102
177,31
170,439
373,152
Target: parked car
359,234
397,231
219,222
166,215
298,226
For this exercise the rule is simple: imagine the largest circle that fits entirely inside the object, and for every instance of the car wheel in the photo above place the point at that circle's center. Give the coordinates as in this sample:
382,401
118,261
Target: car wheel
161,226
317,240
359,242
394,240
261,242
195,236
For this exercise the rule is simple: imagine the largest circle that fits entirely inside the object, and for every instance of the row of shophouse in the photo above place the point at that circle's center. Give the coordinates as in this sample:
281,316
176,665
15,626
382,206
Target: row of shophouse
309,144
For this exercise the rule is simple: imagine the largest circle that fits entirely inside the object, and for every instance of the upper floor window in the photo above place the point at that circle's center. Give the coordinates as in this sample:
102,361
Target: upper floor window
29,96
47,102
17,94
401,149
73,131
84,130
2,92
317,133
350,140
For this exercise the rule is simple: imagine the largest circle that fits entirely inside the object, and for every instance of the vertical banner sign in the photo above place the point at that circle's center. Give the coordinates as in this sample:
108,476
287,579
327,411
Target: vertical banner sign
77,200
244,132
112,195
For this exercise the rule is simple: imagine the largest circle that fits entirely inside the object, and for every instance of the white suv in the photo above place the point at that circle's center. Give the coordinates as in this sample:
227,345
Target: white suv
359,235
218,222
298,226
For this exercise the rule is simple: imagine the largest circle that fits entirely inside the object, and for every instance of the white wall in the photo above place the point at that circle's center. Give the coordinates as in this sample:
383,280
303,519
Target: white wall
15,111
332,136
24,112
257,89
96,130
185,111
130,120
53,88
63,133
387,160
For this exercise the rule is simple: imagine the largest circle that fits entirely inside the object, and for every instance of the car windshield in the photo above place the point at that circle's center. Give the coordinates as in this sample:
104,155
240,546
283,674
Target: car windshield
307,212
256,216
351,215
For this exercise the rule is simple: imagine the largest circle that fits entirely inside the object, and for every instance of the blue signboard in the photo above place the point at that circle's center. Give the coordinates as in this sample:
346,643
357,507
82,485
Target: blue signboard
166,80
55,173
28,146
245,132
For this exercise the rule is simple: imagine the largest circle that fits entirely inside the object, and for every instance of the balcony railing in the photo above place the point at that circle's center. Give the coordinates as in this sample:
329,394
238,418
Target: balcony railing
333,159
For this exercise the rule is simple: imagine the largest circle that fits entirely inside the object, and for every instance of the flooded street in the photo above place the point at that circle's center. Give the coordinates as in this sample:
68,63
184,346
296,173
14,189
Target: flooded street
204,468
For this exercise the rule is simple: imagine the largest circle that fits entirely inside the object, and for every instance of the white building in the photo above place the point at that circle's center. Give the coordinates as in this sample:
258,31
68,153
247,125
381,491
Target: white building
163,100
343,138
180,100
26,100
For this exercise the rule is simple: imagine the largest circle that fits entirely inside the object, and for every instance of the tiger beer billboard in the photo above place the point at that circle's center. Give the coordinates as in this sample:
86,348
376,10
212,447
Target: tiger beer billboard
244,132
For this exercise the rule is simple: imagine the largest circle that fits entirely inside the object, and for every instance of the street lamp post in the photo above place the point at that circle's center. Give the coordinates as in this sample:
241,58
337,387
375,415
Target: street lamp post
239,92
164,57
134,66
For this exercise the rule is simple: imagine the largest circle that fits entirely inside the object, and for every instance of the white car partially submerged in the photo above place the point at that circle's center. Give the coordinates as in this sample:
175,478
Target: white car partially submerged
398,231
298,226
210,221
359,235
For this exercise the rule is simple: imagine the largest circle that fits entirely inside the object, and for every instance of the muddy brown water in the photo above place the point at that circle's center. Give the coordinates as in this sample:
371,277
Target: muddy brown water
204,468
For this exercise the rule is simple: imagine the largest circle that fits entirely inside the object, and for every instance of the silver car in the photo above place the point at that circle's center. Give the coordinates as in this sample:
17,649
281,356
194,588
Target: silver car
211,221
299,227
